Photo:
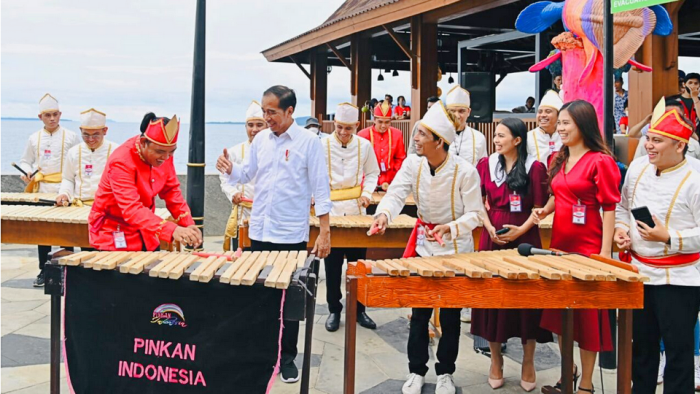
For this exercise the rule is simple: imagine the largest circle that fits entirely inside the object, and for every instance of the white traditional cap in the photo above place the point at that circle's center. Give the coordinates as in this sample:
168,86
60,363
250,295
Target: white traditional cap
551,99
93,119
458,97
254,111
347,114
48,103
438,121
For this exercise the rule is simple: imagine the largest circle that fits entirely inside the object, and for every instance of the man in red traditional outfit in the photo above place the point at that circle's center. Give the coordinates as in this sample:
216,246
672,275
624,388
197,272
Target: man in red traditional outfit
122,216
387,142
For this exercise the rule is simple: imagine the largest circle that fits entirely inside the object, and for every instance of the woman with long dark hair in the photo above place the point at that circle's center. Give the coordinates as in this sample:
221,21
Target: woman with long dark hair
512,184
584,179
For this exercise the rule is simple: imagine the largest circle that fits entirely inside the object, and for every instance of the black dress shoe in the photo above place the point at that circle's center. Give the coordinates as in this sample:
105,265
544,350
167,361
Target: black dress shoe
365,321
333,322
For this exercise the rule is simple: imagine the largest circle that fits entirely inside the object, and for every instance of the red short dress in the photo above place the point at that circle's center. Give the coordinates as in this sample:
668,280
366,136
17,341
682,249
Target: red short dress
593,182
498,325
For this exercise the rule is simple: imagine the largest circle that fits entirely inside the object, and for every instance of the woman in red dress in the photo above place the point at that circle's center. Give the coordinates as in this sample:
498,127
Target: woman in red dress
512,184
584,179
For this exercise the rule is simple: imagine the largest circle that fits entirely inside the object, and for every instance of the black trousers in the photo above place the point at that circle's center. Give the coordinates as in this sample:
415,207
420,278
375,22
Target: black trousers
290,333
334,274
669,313
43,252
419,340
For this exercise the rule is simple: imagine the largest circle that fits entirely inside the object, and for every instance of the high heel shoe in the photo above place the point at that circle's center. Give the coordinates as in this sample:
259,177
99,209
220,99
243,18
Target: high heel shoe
528,386
591,390
576,377
496,383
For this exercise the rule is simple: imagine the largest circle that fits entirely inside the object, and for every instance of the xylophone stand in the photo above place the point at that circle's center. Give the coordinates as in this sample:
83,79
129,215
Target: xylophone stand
309,329
350,333
54,275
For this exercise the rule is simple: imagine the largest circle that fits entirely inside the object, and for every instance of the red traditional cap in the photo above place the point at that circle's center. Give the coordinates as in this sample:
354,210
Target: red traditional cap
163,134
672,125
382,110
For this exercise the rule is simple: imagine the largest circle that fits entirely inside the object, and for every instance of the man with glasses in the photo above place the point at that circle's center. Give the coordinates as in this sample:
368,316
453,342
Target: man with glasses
86,161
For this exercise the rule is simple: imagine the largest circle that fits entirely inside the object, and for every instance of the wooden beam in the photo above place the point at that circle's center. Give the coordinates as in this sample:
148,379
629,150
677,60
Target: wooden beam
339,56
319,83
424,66
361,71
386,14
301,67
461,9
399,42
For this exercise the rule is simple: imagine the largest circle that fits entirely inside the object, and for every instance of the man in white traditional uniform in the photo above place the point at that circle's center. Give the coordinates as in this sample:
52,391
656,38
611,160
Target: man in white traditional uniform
86,161
46,151
469,144
543,142
668,252
241,195
448,198
353,172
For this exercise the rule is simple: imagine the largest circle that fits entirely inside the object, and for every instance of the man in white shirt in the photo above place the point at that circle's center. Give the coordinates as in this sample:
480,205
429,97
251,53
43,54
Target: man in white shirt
448,198
543,142
288,165
46,152
86,161
469,144
668,253
240,195
353,172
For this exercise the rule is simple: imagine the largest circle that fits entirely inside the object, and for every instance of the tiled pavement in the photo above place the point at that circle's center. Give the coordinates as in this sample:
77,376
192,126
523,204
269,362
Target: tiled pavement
381,355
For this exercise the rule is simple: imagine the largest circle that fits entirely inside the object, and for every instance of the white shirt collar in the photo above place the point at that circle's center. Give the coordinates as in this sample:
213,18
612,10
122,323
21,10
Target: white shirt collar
498,174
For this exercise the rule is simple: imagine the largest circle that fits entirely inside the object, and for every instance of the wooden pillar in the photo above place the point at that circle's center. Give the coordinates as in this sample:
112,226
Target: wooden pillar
424,65
361,72
661,53
319,83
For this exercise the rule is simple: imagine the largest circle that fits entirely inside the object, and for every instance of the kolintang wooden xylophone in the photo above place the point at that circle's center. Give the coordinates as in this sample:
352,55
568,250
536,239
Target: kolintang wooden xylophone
351,232
274,269
504,280
64,226
25,198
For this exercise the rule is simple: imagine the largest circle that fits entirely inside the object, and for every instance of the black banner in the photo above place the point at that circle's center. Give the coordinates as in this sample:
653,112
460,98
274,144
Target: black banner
136,334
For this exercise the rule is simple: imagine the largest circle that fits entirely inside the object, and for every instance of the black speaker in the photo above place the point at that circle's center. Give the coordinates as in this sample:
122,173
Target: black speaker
482,91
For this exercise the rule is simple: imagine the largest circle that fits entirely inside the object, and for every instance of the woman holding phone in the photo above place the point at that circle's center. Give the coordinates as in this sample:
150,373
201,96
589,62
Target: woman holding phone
584,179
512,183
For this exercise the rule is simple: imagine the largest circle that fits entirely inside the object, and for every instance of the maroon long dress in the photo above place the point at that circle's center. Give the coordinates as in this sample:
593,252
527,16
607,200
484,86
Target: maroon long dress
594,179
497,325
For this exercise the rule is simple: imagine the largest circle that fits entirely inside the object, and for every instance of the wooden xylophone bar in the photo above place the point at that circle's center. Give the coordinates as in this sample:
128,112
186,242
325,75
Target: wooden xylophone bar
294,271
25,198
41,225
503,280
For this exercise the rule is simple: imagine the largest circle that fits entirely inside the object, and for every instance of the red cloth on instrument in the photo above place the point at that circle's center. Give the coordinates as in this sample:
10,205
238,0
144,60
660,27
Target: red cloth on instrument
381,149
410,250
594,180
125,201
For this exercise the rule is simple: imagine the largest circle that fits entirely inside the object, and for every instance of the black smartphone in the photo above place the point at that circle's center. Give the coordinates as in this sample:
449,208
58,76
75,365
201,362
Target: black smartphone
502,231
643,215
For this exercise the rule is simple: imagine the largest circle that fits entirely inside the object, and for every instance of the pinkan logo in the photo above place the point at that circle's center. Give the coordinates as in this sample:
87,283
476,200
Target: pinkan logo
169,315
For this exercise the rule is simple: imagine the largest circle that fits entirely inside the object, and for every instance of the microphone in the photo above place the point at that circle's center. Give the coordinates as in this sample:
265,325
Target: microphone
529,250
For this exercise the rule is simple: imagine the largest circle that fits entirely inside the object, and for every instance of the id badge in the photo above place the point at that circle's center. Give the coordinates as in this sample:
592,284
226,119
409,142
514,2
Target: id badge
88,170
515,203
47,154
382,166
579,214
420,238
551,147
119,240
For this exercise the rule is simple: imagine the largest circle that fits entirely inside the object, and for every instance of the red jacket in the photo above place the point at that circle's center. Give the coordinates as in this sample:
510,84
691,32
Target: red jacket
125,201
389,163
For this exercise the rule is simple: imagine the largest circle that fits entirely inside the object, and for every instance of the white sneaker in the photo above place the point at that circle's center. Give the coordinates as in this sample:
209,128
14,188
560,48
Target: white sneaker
662,366
413,385
697,373
466,315
445,384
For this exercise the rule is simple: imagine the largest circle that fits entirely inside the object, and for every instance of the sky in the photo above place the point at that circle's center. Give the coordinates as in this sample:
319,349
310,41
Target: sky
130,57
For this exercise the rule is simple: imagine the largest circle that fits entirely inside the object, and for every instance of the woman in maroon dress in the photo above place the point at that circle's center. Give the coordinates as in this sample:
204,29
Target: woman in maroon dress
512,184
584,179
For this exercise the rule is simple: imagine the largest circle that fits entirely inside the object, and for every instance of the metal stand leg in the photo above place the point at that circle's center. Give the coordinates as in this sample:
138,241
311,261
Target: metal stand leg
567,352
624,352
350,334
55,344
310,312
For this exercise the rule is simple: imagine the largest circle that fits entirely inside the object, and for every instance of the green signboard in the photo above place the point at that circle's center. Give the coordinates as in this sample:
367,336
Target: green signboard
627,5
